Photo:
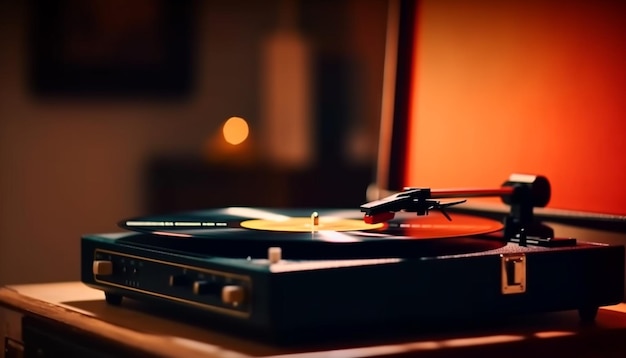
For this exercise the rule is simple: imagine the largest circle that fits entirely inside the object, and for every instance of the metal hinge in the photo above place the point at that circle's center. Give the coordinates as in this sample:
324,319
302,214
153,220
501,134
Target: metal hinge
513,267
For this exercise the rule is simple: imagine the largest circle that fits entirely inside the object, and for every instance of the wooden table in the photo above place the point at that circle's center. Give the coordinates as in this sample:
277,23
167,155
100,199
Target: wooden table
75,317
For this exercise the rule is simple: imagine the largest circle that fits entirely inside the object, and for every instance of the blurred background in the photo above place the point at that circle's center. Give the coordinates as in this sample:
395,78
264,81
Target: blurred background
111,109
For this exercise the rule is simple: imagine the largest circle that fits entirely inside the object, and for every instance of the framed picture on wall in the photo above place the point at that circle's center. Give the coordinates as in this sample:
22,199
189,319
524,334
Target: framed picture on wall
111,47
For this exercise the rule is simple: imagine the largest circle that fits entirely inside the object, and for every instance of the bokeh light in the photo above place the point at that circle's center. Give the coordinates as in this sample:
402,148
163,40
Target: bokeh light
235,130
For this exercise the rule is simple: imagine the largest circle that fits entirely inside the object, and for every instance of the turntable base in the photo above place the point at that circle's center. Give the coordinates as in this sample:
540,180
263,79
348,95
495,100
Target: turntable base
70,319
298,300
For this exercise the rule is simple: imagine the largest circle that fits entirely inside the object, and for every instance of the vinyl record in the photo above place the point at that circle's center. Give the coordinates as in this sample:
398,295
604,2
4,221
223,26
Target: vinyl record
313,234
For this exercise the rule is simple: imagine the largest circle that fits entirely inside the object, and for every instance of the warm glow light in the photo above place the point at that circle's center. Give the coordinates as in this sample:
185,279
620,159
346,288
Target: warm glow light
235,130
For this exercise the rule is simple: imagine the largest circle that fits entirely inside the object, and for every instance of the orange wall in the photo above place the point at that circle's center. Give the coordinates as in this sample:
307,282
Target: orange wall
522,86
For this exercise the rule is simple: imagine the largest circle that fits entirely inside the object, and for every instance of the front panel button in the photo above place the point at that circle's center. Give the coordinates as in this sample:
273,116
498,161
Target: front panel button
233,295
102,267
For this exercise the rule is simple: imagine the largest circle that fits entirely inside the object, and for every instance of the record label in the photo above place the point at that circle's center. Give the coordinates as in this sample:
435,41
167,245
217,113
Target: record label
307,225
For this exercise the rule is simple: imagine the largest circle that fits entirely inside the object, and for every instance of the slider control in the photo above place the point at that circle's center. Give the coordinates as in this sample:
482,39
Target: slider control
206,287
179,280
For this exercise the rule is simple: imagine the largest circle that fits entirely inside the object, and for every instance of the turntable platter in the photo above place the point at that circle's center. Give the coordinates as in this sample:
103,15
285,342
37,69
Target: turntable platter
250,232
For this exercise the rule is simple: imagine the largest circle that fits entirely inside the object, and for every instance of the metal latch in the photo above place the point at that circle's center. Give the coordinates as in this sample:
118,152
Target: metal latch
513,267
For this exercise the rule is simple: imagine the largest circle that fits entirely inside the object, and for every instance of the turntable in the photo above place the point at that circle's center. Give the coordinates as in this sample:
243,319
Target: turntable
403,261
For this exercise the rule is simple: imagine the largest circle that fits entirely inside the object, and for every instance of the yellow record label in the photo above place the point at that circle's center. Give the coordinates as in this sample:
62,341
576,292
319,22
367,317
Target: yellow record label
308,225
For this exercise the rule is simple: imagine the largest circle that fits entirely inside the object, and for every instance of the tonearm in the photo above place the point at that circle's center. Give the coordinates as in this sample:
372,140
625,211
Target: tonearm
522,192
